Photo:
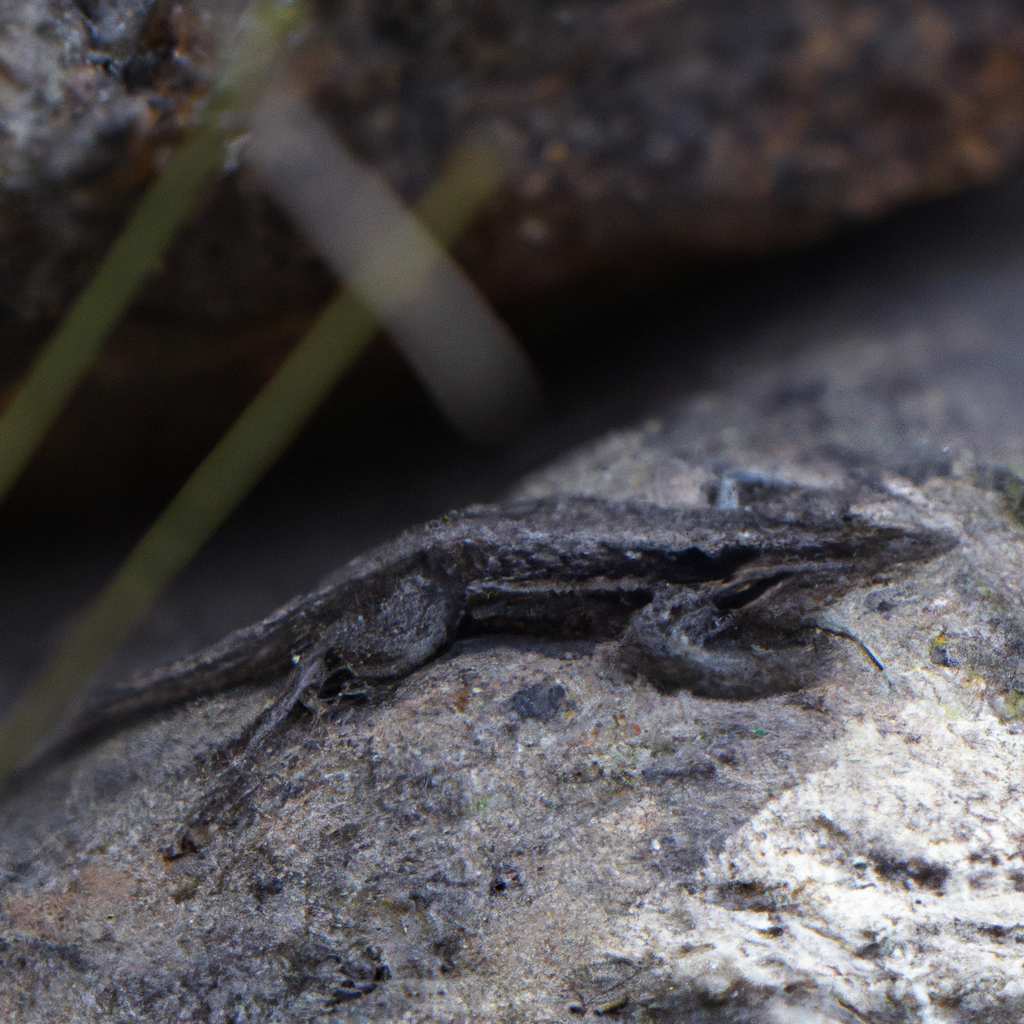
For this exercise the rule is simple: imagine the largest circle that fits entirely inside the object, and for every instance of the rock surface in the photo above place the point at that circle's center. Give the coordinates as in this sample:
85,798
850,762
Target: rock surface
639,129
649,139
523,833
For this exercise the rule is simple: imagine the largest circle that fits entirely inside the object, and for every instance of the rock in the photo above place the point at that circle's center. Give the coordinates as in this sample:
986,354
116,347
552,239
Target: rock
524,833
643,129
648,141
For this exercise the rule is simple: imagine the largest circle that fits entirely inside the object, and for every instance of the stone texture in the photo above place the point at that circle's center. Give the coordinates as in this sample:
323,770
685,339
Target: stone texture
638,128
523,833
648,141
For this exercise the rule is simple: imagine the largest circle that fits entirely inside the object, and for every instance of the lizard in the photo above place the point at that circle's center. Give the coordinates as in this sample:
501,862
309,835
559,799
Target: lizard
723,602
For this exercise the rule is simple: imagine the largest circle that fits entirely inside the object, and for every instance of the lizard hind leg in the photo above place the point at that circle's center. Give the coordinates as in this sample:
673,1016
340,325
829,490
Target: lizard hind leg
308,674
378,638
388,631
685,639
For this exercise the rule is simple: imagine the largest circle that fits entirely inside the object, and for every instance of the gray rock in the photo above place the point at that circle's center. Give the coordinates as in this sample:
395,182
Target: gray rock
650,141
640,130
525,833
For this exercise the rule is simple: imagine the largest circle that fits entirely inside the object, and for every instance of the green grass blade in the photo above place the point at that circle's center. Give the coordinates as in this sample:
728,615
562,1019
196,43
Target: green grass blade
73,348
250,447
68,354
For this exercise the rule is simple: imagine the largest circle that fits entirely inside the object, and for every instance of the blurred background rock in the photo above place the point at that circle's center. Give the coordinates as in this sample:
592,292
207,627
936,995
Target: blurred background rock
653,144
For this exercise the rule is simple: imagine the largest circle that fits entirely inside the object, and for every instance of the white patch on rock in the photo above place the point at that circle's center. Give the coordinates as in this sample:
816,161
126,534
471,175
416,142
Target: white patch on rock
894,877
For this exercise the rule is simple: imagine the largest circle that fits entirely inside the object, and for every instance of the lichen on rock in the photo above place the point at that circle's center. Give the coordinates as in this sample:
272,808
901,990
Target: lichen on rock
523,831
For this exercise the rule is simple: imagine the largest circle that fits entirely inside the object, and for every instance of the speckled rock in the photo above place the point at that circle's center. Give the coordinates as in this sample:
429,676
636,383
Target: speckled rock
638,128
524,833
647,140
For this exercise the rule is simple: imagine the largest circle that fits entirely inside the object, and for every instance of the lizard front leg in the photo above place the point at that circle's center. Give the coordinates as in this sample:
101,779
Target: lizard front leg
713,642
